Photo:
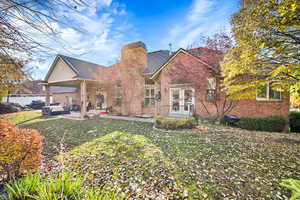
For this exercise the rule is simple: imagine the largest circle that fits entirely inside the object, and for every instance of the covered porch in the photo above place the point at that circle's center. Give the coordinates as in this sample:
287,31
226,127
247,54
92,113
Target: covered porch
85,76
92,98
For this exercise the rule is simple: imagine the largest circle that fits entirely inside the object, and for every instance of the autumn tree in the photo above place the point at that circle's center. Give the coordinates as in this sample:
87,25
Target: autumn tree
266,50
11,74
295,100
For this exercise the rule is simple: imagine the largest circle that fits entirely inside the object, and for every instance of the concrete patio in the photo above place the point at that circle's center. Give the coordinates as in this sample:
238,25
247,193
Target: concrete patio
78,116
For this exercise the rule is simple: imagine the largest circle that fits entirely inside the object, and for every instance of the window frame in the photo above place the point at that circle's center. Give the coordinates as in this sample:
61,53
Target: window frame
267,98
211,91
150,96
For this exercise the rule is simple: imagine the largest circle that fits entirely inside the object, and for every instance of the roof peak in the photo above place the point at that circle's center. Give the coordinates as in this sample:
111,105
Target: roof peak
61,55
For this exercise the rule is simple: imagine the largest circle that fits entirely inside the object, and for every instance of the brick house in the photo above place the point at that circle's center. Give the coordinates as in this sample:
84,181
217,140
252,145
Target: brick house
140,84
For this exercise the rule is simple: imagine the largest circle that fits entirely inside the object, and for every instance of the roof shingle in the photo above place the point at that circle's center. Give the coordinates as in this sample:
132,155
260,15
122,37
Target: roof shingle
155,60
83,69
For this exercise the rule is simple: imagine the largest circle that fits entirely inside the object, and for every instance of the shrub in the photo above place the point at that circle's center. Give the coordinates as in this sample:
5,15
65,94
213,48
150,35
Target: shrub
20,149
295,122
64,186
171,124
271,124
294,186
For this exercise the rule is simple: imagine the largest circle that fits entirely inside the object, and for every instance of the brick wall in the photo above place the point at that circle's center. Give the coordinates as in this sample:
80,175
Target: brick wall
129,72
242,108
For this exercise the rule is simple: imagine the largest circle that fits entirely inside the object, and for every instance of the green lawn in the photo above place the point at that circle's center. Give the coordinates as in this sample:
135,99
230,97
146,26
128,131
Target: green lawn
223,162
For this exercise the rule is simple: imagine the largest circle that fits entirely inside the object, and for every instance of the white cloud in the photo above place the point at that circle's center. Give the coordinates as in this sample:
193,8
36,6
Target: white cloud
191,37
199,9
203,18
70,35
97,36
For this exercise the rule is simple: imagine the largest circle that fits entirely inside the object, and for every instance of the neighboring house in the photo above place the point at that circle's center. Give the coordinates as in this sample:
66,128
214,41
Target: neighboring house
140,84
66,96
29,91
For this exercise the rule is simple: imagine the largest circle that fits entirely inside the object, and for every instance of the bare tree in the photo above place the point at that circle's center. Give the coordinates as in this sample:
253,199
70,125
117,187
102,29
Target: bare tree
17,17
22,24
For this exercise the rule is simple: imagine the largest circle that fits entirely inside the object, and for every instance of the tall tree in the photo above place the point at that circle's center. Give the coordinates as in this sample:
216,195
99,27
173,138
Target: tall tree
267,43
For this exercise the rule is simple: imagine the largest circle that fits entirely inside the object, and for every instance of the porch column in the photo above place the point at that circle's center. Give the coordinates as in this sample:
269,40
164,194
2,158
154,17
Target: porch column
83,97
47,90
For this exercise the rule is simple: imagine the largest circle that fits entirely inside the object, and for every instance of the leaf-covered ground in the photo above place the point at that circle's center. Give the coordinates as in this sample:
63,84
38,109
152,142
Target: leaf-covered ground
131,164
226,163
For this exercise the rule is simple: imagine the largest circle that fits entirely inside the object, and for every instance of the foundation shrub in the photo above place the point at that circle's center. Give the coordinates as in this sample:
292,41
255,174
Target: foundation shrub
20,150
270,124
172,124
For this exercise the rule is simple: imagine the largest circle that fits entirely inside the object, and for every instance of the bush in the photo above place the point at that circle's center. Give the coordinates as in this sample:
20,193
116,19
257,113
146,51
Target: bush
172,124
64,186
294,186
20,150
271,124
295,122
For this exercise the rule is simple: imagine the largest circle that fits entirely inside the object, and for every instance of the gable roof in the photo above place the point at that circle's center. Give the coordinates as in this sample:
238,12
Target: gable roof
82,69
199,53
155,60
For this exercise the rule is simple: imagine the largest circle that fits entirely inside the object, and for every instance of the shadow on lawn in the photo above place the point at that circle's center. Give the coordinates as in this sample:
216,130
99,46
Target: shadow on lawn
133,164
68,133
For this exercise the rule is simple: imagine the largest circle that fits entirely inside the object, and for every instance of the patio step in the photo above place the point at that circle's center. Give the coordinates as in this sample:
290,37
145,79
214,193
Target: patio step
178,116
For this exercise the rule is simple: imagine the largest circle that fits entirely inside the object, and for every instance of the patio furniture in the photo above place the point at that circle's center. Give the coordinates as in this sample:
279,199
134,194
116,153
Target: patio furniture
55,110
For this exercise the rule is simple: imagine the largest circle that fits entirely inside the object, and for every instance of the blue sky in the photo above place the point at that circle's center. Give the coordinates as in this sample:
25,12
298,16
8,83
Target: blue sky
106,25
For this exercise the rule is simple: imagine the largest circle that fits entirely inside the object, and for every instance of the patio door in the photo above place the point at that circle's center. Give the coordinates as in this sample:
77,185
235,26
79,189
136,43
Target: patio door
101,100
181,100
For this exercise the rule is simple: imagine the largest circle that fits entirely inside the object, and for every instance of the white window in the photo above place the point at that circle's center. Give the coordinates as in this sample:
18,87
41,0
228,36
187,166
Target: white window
211,94
149,97
267,93
211,83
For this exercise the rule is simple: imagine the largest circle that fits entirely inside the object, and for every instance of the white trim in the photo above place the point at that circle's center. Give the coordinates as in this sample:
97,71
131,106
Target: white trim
149,87
181,100
70,65
75,79
54,64
66,80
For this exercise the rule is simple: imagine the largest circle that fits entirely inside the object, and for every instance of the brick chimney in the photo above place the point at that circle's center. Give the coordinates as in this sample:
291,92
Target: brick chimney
134,51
